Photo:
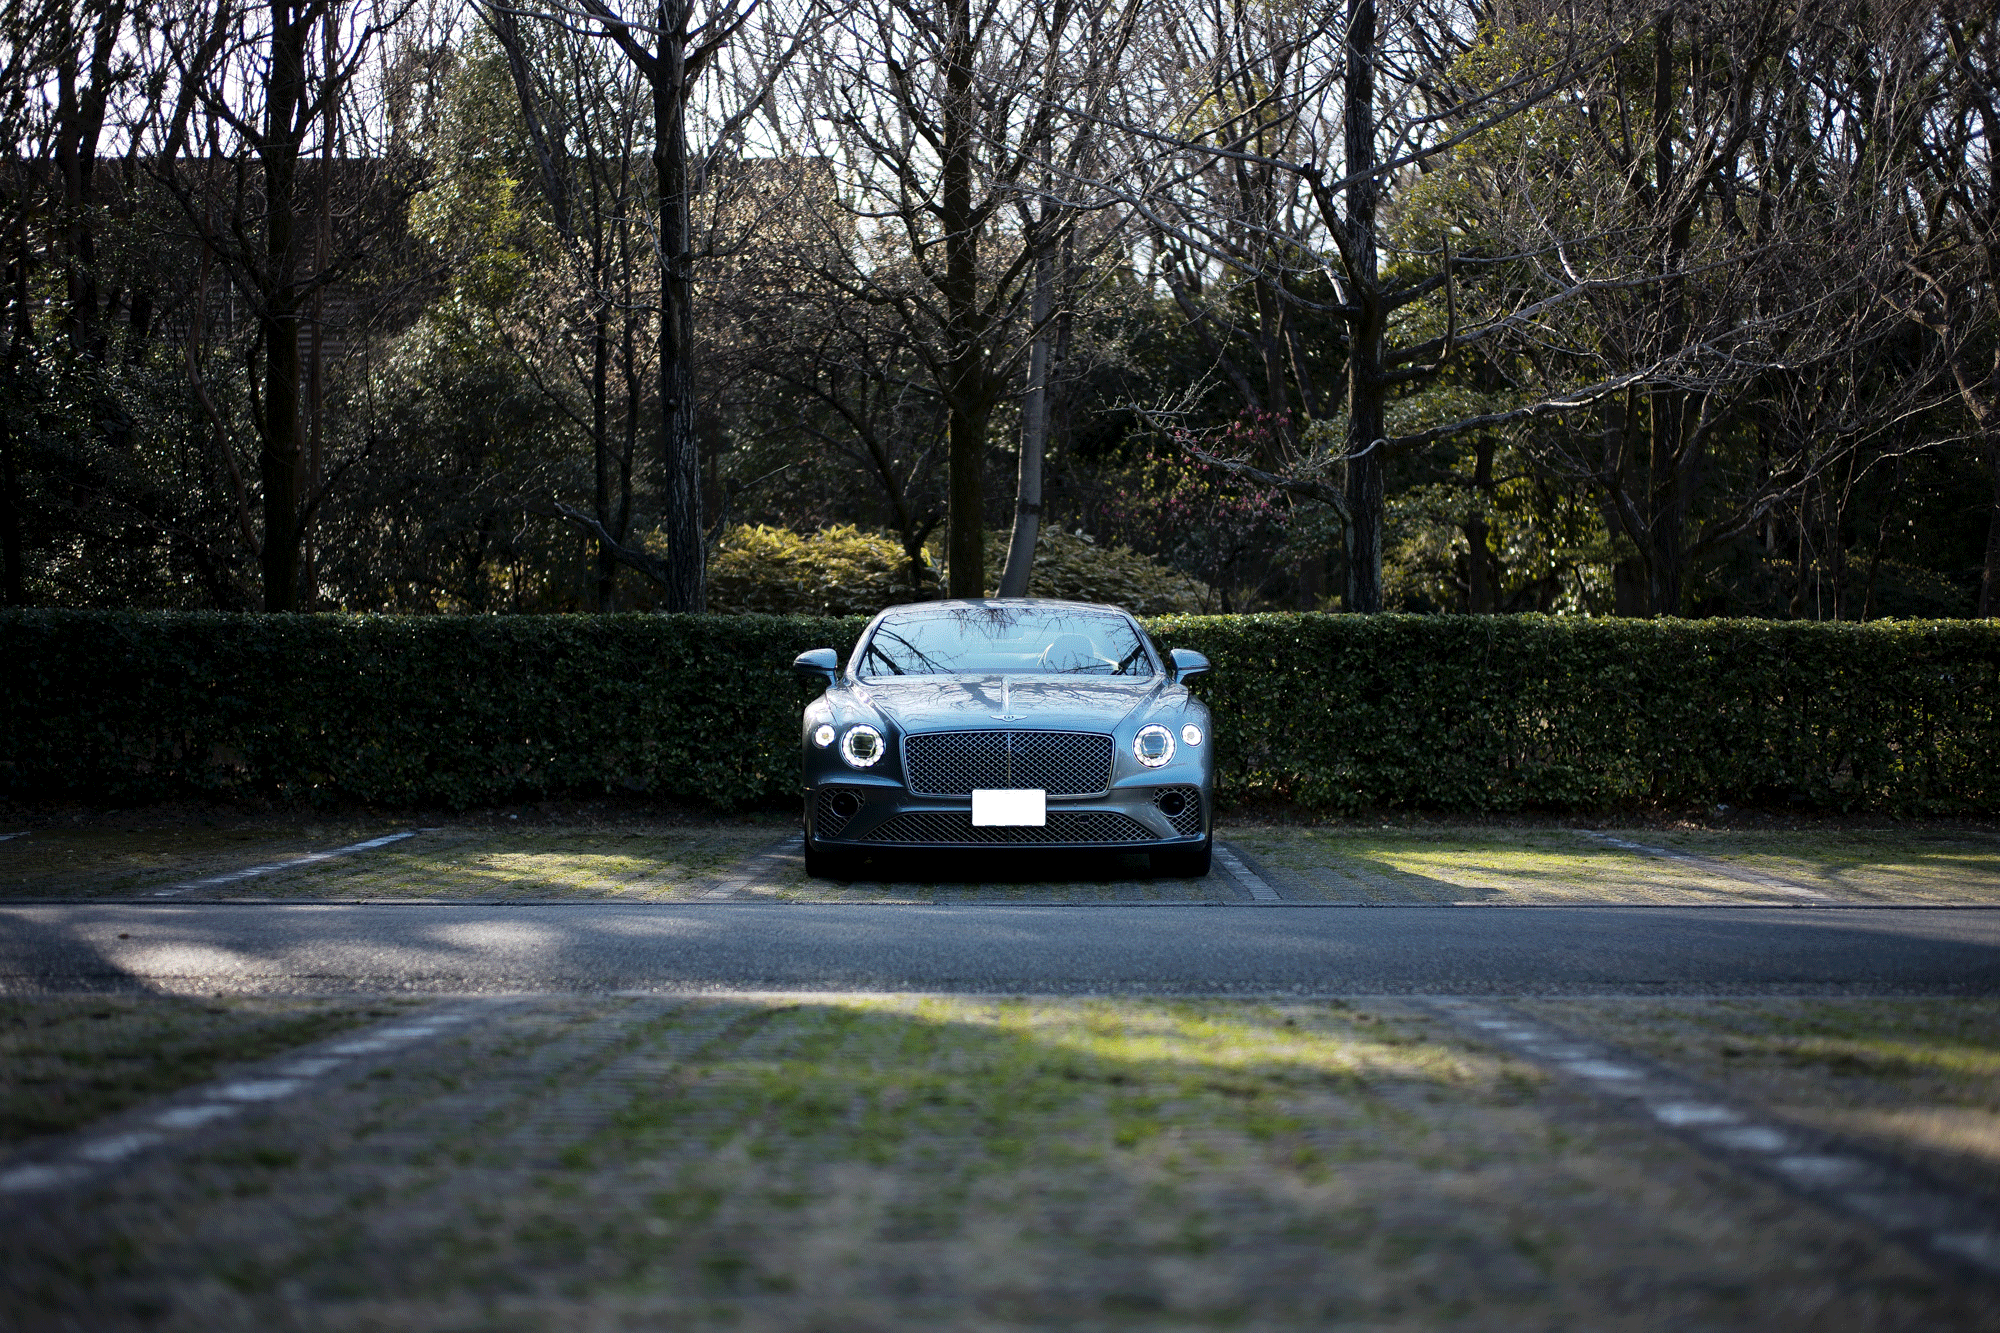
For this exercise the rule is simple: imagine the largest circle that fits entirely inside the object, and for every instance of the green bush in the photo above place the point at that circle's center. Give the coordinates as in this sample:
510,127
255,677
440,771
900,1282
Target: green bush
837,571
843,571
1329,712
1077,569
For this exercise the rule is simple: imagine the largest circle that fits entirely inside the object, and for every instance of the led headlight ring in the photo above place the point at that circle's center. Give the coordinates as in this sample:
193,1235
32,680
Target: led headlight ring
862,746
1153,746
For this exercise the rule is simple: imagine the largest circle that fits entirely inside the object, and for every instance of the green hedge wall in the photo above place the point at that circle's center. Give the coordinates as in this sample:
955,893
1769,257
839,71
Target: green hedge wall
1329,712
1475,713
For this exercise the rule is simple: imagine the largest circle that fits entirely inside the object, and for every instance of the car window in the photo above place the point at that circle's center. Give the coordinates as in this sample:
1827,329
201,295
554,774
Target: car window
990,639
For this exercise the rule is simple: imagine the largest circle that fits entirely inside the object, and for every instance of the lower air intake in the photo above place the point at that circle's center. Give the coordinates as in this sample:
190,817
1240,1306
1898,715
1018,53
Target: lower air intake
933,827
834,807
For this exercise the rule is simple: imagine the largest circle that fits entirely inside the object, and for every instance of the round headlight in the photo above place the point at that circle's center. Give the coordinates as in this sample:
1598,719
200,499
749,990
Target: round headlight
822,735
861,746
1153,746
1191,734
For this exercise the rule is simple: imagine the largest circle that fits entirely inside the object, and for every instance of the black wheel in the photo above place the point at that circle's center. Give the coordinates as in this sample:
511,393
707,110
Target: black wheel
824,864
1185,862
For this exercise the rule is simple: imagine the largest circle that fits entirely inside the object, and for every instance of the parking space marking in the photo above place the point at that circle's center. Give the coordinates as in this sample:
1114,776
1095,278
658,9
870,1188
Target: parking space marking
1757,877
77,1158
755,868
1958,1228
310,858
1232,862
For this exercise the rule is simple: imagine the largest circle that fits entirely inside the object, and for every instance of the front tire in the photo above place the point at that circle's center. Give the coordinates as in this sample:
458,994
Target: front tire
1184,862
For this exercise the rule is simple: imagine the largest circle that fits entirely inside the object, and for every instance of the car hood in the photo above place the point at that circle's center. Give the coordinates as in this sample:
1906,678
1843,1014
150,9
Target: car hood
1037,703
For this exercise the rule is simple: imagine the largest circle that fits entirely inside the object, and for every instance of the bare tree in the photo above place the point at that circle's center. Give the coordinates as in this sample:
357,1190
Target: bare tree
950,125
1953,239
259,94
581,115
1721,210
1365,106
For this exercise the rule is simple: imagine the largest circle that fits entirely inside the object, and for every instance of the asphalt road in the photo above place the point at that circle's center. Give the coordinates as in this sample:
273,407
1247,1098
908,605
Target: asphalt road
1048,950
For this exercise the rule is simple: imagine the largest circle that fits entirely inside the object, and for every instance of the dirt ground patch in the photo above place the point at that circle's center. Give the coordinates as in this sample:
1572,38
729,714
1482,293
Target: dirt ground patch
958,1163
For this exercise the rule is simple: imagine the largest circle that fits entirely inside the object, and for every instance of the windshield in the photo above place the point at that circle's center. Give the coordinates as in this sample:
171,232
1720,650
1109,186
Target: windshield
983,640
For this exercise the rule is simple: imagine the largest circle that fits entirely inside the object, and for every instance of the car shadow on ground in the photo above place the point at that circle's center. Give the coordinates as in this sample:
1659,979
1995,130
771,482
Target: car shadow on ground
999,865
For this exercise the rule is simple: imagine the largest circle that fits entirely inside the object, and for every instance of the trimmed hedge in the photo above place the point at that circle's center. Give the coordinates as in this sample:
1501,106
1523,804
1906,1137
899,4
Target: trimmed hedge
1497,713
1329,712
395,710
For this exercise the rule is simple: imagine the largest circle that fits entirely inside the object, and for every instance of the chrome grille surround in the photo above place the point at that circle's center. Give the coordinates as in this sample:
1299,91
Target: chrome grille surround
1061,763
1188,821
936,827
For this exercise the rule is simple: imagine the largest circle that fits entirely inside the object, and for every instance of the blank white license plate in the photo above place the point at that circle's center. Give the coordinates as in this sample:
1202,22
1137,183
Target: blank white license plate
1002,806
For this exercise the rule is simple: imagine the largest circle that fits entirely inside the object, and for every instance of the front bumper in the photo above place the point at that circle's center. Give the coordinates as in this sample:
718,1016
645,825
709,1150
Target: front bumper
1136,815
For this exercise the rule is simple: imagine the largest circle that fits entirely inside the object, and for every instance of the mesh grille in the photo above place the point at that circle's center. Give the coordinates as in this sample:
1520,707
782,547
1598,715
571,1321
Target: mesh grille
1188,821
828,822
1064,826
1061,763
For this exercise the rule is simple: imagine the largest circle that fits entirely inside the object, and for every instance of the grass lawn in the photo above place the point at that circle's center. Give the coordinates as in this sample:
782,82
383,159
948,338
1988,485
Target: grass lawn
1918,1079
69,1060
1524,864
636,856
935,1163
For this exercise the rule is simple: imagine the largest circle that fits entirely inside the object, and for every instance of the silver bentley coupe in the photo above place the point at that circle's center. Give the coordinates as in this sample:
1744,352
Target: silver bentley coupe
1006,723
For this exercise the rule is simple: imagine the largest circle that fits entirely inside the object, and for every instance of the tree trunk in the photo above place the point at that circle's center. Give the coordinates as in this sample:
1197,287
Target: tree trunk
1034,433
79,125
687,551
1367,383
20,329
600,450
1667,504
1989,585
965,373
1482,586
281,454
12,582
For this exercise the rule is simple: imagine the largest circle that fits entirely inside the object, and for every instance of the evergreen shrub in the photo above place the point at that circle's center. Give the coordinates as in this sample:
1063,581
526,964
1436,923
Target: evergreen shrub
1331,713
1075,568
838,571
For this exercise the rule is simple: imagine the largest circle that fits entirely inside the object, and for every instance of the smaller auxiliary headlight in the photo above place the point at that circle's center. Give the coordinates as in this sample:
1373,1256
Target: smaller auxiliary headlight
1153,746
822,735
862,746
1191,734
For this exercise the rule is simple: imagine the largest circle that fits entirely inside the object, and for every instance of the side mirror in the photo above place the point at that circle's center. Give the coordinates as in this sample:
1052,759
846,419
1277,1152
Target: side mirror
822,662
1187,663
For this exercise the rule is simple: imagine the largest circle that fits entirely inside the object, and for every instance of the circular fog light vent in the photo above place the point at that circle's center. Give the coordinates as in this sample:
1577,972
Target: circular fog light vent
1182,807
834,808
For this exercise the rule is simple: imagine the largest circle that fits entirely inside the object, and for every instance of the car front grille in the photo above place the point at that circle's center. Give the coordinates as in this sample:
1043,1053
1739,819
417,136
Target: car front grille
1064,826
1061,763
